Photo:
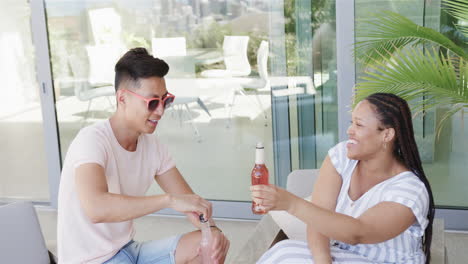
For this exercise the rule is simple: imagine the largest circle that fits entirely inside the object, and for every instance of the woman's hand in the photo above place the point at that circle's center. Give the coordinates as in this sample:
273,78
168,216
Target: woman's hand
272,197
190,203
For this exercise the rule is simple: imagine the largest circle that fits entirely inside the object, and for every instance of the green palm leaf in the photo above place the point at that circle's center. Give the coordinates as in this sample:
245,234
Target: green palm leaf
425,79
459,10
389,31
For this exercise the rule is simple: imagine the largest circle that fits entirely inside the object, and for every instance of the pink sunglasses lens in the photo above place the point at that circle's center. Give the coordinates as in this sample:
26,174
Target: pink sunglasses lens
152,105
168,102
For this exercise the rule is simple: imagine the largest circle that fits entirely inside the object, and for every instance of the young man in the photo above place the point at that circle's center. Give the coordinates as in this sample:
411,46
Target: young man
108,168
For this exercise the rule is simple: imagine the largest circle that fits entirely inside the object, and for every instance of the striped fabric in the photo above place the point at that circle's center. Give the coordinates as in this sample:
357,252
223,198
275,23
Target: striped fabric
297,252
404,188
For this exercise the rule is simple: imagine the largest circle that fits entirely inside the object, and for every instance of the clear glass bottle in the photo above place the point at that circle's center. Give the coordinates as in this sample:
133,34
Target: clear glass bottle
206,241
259,175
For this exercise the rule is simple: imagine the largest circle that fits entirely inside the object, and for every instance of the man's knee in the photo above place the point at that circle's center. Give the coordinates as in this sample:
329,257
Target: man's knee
187,248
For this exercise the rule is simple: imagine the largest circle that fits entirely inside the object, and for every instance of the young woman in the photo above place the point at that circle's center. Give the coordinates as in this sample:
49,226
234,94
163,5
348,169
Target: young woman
372,202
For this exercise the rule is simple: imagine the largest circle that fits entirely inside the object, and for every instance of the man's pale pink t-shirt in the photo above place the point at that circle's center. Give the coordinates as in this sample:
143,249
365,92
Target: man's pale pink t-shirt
129,173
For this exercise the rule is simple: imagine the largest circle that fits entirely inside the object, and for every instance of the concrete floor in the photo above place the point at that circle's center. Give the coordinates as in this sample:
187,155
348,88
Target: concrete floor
457,246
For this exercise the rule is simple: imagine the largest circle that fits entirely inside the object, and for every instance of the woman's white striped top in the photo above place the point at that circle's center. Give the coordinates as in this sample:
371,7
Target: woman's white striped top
404,188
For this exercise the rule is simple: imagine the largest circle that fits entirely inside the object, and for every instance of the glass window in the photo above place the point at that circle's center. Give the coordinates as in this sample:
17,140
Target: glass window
310,31
22,159
239,70
444,157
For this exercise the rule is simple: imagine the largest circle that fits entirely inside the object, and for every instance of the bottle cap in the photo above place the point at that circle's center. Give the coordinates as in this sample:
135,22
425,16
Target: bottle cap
260,145
202,218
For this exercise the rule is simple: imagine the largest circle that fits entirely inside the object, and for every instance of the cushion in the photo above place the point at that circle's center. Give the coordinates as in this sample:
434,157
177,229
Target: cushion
291,225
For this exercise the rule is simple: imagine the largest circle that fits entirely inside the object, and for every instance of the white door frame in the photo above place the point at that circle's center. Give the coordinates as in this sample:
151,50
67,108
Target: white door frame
44,79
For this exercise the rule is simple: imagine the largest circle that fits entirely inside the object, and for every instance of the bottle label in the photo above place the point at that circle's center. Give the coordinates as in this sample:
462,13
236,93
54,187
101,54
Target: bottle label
260,156
257,174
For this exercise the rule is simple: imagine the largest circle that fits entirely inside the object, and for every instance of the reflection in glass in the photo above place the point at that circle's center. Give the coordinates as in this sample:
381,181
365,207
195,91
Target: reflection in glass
225,59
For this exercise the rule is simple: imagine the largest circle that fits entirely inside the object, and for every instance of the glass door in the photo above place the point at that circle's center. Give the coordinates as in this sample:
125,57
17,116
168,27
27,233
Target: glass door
212,132
218,118
443,157
23,160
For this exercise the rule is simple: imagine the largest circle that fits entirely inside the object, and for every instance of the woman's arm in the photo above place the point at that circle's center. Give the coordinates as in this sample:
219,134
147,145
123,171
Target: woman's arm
325,194
382,222
379,223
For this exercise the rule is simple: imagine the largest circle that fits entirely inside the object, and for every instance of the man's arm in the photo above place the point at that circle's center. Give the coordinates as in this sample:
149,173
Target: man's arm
173,182
102,206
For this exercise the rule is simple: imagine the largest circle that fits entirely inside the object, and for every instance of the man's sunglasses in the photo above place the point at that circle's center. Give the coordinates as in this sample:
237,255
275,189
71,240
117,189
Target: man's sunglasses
153,103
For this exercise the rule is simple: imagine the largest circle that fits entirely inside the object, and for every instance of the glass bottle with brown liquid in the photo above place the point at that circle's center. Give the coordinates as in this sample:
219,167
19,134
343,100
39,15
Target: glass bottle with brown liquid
259,175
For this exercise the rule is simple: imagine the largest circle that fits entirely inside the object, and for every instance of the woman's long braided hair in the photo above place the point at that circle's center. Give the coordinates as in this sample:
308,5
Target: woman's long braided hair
393,111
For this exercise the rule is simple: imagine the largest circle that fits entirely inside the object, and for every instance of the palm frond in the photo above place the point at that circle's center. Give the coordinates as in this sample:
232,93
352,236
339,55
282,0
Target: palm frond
425,79
459,10
389,31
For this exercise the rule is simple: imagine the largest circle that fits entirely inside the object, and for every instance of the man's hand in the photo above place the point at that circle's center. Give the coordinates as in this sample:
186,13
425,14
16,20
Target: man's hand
190,203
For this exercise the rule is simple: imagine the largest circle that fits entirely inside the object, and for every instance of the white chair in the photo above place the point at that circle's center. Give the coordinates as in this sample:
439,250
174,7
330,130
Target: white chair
174,52
168,47
262,82
84,90
21,239
186,91
106,25
106,28
235,58
301,183
254,84
102,59
181,77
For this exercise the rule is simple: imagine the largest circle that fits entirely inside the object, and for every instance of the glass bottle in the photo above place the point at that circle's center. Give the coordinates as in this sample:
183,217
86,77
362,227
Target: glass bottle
259,175
206,241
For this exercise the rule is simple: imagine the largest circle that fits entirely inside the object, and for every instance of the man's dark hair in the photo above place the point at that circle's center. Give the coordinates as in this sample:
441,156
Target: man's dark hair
138,63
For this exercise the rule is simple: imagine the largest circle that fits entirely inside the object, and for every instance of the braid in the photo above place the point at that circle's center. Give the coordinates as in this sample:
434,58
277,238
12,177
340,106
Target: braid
393,111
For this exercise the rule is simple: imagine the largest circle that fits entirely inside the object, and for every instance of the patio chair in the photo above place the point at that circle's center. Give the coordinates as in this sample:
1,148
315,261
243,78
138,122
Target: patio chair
186,91
106,26
181,77
235,59
168,47
174,52
84,90
247,84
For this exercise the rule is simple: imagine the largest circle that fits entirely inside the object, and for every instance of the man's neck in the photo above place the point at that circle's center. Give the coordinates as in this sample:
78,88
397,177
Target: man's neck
127,137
